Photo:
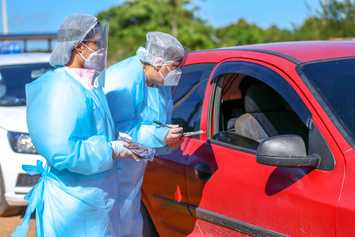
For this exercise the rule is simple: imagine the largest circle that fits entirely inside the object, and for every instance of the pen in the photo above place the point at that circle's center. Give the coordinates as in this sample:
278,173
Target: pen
162,124
191,134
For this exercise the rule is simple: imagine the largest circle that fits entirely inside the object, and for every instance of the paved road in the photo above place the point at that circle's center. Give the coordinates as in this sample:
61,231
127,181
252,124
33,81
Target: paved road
8,225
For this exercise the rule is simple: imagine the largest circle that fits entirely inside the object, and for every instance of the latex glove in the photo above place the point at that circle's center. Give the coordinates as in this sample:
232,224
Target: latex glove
124,135
174,137
120,151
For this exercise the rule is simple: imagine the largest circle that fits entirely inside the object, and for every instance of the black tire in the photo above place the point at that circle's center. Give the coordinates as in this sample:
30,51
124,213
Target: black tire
5,209
148,226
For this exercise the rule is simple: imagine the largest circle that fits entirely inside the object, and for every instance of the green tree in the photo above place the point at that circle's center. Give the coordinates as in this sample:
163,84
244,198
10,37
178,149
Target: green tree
334,19
238,33
339,17
312,29
130,21
275,34
243,32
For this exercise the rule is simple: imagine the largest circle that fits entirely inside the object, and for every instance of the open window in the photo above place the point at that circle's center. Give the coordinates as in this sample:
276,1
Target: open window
251,111
253,103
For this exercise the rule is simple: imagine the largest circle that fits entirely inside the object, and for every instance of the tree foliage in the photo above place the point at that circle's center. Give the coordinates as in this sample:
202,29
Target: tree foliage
242,32
131,20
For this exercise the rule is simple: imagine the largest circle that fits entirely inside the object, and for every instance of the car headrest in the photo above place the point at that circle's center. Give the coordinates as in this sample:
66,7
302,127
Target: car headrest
262,98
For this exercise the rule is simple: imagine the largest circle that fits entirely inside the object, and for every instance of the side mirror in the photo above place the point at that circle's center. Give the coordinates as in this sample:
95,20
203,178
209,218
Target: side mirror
285,151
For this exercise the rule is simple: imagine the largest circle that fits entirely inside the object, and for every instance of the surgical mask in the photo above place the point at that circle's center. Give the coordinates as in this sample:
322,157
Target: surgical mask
96,61
172,78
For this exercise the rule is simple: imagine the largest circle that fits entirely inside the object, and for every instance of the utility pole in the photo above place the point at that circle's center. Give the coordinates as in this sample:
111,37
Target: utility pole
5,24
175,5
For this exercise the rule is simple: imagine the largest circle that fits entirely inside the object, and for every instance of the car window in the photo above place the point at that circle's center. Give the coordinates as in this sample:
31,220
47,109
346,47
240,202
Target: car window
334,85
13,80
188,96
249,110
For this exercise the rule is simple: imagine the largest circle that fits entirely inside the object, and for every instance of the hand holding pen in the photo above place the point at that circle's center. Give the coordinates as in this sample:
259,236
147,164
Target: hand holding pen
185,134
174,136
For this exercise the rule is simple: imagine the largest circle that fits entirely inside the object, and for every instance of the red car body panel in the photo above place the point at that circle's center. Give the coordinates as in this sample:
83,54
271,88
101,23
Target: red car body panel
286,201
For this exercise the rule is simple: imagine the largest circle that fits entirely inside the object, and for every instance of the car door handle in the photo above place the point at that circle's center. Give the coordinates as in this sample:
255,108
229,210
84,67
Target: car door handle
202,171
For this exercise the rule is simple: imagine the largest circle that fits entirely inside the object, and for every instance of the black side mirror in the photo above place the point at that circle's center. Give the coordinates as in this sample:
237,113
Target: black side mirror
285,151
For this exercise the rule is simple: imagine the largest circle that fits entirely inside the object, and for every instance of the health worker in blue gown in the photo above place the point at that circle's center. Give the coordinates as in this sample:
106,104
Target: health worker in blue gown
71,127
138,91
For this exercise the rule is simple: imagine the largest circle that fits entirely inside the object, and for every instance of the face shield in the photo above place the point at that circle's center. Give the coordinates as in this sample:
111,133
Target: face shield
96,43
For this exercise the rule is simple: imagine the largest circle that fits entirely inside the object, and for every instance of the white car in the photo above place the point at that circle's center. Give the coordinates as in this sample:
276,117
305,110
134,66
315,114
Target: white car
16,149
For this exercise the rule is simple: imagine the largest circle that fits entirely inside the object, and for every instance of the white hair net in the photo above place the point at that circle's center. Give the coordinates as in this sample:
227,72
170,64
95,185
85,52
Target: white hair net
161,48
73,31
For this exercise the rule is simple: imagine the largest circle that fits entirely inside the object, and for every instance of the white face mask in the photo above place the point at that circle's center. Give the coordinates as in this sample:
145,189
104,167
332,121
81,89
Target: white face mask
172,78
96,61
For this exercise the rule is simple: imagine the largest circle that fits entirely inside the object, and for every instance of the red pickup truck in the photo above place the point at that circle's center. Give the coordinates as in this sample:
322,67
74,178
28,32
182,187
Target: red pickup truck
277,154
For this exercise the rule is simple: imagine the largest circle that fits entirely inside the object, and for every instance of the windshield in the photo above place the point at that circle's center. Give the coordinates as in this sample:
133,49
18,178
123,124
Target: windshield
13,79
334,84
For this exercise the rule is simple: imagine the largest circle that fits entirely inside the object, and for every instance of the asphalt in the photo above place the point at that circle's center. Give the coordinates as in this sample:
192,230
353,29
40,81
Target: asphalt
8,225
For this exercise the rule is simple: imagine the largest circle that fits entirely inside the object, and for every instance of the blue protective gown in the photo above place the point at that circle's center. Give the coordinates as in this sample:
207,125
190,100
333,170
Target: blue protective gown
134,106
72,128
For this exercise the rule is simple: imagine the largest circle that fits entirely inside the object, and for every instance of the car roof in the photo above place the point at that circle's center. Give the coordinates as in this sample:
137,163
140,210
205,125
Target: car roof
301,51
23,58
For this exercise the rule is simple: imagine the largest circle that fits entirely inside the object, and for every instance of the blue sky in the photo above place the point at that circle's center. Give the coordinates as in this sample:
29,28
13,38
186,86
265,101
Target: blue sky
46,15
284,13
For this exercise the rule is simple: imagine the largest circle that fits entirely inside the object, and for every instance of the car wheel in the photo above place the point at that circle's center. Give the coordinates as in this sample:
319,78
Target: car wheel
148,226
5,209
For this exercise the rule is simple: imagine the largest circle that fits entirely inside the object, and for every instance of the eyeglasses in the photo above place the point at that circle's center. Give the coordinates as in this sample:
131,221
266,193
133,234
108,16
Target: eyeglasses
171,67
99,43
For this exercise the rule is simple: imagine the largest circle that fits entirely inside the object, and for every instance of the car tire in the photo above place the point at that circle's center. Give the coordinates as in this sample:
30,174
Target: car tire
5,209
148,226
